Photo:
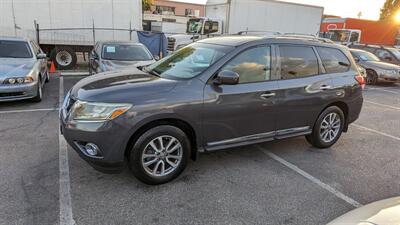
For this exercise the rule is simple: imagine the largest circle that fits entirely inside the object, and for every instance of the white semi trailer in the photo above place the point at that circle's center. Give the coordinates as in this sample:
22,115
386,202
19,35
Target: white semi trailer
234,16
64,27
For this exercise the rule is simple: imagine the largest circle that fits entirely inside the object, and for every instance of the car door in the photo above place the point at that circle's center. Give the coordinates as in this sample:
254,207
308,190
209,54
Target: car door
303,89
244,112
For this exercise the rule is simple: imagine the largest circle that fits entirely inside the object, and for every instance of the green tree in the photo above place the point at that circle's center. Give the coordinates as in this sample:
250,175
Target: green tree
146,4
389,9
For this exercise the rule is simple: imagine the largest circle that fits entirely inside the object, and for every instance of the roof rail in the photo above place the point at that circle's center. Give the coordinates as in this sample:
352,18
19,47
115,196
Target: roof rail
308,37
244,32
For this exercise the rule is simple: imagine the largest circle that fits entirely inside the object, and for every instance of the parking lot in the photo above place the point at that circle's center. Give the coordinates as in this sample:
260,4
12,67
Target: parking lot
43,181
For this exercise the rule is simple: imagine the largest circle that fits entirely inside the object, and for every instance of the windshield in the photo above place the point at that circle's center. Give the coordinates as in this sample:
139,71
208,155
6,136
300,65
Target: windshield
190,61
339,35
365,56
15,49
125,52
194,26
395,52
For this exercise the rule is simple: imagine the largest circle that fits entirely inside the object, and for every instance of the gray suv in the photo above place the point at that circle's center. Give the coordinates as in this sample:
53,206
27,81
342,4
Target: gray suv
213,94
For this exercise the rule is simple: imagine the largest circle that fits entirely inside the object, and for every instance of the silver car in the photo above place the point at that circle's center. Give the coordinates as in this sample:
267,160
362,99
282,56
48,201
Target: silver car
23,69
376,70
108,56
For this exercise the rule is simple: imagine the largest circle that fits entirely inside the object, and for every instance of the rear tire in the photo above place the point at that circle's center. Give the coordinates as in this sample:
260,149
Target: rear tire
47,77
154,163
372,77
328,128
63,57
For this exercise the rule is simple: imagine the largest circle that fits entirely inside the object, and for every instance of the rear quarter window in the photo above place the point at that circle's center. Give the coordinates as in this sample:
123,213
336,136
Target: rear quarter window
333,60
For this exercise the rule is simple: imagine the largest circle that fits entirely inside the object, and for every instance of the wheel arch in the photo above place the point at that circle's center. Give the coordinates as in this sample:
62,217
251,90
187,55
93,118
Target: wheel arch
179,123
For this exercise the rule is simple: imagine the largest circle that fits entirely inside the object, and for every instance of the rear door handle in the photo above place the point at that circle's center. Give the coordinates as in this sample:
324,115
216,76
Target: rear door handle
268,95
325,87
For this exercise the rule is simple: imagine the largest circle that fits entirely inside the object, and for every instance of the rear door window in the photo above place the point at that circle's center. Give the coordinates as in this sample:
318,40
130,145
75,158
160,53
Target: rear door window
333,60
297,61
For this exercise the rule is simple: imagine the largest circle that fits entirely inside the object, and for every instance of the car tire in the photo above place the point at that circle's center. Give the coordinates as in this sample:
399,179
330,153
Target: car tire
149,159
372,77
47,77
328,128
63,57
39,92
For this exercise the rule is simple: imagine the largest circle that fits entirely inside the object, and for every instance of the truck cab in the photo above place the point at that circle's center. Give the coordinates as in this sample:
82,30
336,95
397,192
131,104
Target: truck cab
343,36
197,29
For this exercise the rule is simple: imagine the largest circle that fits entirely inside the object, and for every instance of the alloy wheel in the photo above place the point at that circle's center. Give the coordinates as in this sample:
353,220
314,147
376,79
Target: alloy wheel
162,156
330,127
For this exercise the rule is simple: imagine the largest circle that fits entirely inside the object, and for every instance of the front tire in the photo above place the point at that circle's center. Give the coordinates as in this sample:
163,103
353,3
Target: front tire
328,128
39,92
160,155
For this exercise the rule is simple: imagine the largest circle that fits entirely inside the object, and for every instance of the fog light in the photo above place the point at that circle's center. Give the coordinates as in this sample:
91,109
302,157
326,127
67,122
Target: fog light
91,149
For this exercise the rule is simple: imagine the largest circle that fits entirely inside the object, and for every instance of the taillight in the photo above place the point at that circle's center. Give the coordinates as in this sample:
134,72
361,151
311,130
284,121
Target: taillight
361,80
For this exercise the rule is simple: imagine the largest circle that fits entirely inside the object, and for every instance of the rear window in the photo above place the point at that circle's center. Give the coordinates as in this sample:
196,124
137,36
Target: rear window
126,52
15,49
334,60
297,61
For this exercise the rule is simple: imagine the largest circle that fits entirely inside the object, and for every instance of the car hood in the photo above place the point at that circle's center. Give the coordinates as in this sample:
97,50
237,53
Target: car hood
120,86
381,65
377,213
13,67
109,65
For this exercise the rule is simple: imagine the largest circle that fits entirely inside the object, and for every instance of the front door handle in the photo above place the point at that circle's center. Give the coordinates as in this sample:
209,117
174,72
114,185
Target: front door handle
325,87
268,95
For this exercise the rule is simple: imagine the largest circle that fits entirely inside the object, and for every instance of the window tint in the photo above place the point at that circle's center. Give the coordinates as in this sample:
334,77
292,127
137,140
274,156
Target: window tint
333,60
252,65
383,54
15,49
125,52
297,61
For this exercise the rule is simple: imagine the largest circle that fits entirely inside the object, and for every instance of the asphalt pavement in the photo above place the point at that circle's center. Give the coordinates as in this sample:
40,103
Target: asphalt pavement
280,182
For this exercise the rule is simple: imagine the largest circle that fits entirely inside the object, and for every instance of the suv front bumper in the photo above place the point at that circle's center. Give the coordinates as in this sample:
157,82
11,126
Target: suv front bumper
110,137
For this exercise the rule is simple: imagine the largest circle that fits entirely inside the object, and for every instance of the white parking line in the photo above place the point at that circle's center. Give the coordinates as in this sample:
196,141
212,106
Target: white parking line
381,89
308,176
375,131
65,189
28,110
383,105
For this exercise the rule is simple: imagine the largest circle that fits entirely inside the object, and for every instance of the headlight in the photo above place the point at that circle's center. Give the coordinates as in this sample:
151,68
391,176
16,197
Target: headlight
18,80
95,111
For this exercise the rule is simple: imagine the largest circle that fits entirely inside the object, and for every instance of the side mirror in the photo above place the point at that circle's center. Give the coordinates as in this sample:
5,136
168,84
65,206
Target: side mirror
41,56
357,59
157,57
93,55
226,77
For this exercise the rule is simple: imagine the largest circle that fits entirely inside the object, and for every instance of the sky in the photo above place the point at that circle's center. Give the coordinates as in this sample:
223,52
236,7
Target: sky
370,9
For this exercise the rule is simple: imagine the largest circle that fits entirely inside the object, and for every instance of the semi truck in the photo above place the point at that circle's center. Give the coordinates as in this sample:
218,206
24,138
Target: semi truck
359,31
64,27
249,16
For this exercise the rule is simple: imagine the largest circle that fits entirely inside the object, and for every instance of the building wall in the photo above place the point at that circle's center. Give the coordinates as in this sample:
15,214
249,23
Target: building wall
180,7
